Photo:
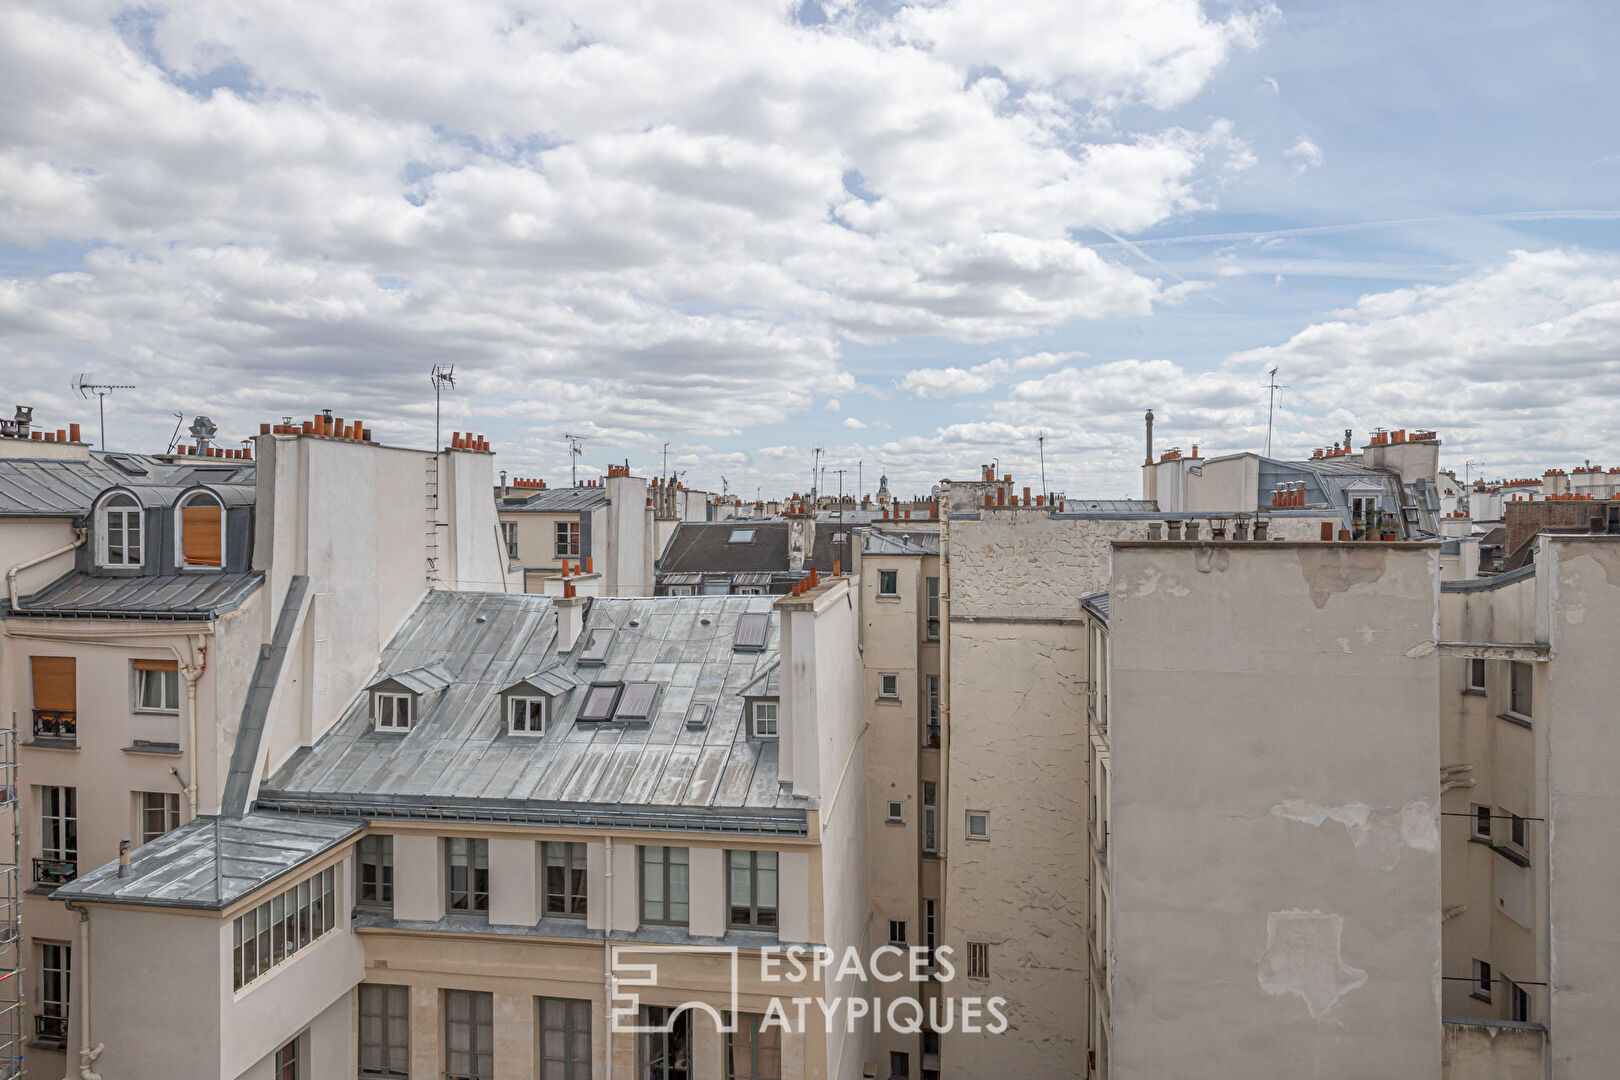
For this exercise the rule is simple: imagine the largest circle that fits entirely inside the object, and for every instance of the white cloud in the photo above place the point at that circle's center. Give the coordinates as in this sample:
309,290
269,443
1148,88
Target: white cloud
1305,154
1269,83
833,405
955,381
853,424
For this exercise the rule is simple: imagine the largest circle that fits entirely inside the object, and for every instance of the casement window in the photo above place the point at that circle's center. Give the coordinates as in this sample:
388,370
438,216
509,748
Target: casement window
374,872
385,1032
158,812
1520,676
679,590
468,877
272,932
978,825
897,931
899,1065
469,1035
1482,822
749,590
594,647
741,536
751,884
600,701
636,702
765,719
888,583
287,1062
55,976
565,1039
753,1051
1519,834
930,817
751,630
56,696
202,530
665,885
121,532
1518,1003
931,717
978,959
509,538
1482,980
157,686
889,686
930,929
392,712
566,879
1476,675
526,715
567,539
58,835
896,813
932,633
666,1044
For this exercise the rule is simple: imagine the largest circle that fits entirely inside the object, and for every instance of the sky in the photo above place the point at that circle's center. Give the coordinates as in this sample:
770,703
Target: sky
922,236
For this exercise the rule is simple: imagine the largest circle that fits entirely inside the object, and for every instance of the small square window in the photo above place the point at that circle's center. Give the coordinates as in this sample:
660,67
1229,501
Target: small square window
526,716
897,931
897,812
1476,675
889,686
392,711
978,959
978,825
1482,822
1482,980
765,719
888,583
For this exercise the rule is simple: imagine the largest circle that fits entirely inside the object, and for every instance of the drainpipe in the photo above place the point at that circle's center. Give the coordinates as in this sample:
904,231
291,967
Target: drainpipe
607,964
87,1053
79,536
193,671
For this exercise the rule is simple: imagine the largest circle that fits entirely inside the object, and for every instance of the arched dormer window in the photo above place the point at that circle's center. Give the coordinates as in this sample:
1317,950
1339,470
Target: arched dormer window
120,532
202,530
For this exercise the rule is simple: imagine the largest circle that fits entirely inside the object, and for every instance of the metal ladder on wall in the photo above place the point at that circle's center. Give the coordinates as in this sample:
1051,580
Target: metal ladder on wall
11,966
431,485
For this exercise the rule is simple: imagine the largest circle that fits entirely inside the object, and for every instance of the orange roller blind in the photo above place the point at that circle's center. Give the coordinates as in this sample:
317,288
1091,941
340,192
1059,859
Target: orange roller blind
55,687
200,542
157,665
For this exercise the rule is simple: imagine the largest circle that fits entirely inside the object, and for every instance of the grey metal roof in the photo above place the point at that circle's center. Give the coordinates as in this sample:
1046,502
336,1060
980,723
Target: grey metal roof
1108,506
554,678
213,862
200,595
882,543
459,759
422,679
703,547
1485,584
1097,604
768,683
36,487
562,500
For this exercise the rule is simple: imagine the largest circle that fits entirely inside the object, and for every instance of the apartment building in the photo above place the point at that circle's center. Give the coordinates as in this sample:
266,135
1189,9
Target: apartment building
527,798
746,558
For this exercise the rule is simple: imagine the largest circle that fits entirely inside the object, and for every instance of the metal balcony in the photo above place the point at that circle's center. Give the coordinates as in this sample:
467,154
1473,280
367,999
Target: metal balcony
55,871
55,724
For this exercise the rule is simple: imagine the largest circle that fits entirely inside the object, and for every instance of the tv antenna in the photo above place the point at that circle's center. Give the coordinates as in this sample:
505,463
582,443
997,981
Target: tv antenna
840,471
576,450
174,440
441,377
1040,441
1271,407
724,487
84,387
815,472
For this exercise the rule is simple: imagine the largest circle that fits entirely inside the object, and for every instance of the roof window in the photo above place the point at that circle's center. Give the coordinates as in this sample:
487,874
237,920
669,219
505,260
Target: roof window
636,702
600,700
751,629
741,536
595,649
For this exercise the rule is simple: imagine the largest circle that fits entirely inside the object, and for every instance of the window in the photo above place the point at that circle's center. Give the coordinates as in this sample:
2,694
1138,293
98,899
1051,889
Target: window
896,812
665,880
55,977
1476,675
56,696
978,825
469,875
680,590
1482,822
509,537
287,1062
391,711
276,929
58,835
1519,699
930,929
931,726
637,701
202,530
1482,980
897,931
565,1039
753,1051
1518,832
750,590
741,536
899,1065
599,701
752,889
930,818
889,686
159,812
120,532
567,539
385,1026
469,1035
751,629
595,648
666,1047
374,872
157,685
765,719
1518,1003
526,715
978,959
888,583
697,715
565,878
933,608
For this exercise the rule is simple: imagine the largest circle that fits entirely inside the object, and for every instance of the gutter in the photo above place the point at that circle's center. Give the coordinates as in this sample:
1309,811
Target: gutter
87,1053
79,537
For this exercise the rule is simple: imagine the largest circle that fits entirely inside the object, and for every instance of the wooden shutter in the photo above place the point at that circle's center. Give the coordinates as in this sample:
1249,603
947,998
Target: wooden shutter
157,665
200,540
55,685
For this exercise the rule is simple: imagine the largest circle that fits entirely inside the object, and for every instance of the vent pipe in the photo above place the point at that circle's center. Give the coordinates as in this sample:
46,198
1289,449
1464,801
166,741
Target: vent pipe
1149,419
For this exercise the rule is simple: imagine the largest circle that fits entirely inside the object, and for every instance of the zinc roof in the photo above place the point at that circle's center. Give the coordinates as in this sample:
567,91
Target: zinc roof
37,487
177,596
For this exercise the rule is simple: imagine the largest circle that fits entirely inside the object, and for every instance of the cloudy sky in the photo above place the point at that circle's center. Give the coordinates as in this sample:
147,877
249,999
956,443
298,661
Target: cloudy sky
919,235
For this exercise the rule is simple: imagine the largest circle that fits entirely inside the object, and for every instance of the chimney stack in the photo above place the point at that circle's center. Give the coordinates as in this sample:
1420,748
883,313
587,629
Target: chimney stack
1149,418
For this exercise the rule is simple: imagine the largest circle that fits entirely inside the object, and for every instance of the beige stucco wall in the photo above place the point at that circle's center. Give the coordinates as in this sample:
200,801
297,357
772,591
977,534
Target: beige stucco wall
1491,1052
1275,830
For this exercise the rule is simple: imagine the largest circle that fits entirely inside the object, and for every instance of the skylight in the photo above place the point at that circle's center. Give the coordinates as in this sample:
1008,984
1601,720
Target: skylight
751,632
741,536
599,701
636,703
697,715
595,649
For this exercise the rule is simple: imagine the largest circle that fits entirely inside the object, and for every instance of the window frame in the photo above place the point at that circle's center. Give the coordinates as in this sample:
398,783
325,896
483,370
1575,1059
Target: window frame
933,734
127,508
574,896
573,1065
282,926
374,852
188,501
983,835
382,1013
600,716
1481,986
888,583
756,720
62,818
566,539
931,611
168,809
897,932
654,1020
394,697
930,818
888,686
465,853
1476,665
1521,1007
63,974
480,1034
1515,669
287,1059
528,701
756,915
509,536
171,681
1481,816
978,964
659,911
896,814
899,1064
749,1038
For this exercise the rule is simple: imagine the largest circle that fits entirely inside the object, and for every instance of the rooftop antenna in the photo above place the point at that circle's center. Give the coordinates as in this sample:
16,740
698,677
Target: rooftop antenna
174,440
442,377
860,481
1468,471
1271,408
666,459
815,471
84,387
724,487
841,470
576,450
1040,440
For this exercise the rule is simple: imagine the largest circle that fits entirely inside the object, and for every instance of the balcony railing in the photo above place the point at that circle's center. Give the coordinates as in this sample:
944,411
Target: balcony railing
55,724
55,871
54,1028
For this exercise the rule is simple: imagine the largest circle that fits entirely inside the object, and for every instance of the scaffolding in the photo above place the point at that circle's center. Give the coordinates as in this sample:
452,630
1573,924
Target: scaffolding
11,968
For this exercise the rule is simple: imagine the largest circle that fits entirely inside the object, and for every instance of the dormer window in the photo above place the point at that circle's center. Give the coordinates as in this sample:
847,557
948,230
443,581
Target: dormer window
392,712
120,532
526,715
764,719
202,530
